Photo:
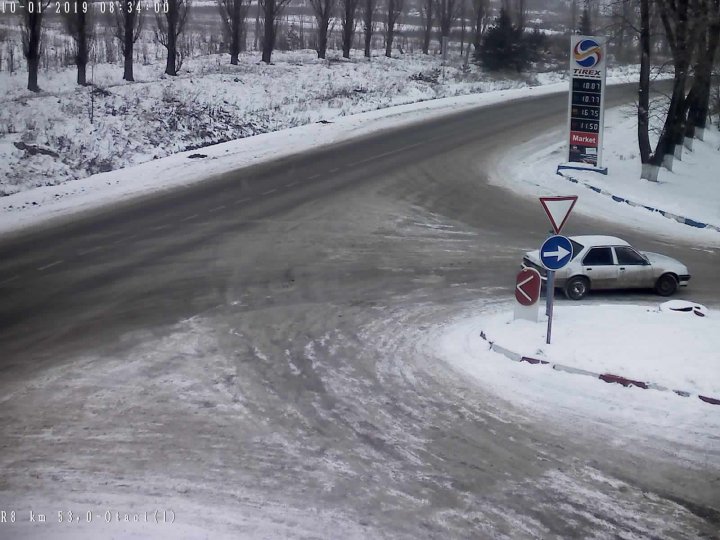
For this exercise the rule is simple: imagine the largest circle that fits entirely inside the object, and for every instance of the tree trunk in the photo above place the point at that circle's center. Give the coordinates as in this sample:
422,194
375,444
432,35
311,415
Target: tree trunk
236,32
81,57
128,67
33,65
81,70
170,64
698,100
644,89
672,132
257,28
128,45
368,19
388,43
322,37
348,27
31,47
477,38
268,37
427,34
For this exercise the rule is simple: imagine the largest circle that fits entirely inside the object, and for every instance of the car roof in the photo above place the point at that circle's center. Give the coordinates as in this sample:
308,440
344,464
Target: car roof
599,240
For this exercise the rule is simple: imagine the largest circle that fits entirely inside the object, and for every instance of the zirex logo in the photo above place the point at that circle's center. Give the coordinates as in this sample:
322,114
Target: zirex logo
587,53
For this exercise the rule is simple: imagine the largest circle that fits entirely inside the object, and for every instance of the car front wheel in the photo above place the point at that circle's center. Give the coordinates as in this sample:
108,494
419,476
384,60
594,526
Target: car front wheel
577,288
666,285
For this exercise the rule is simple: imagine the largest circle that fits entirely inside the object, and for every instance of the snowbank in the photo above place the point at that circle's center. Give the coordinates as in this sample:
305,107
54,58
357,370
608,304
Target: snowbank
625,338
636,342
689,191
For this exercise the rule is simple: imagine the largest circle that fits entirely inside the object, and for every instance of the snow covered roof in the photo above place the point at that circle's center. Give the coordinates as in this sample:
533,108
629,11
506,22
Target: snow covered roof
599,240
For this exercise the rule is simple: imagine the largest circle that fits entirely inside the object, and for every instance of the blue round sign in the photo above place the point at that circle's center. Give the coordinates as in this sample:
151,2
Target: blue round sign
556,252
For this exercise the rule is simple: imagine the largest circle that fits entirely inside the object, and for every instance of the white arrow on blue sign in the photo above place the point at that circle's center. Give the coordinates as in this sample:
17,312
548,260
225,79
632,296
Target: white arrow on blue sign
556,252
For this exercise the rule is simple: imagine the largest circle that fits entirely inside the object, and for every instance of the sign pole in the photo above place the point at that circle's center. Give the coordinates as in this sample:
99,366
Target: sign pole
550,302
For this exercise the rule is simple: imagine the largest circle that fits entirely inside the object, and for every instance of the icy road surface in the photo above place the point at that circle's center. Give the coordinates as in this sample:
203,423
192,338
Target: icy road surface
258,355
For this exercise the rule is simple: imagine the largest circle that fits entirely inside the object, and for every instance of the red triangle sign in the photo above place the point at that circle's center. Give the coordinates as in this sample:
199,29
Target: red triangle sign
558,210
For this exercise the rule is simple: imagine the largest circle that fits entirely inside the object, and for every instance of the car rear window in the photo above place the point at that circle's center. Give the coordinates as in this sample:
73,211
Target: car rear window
627,255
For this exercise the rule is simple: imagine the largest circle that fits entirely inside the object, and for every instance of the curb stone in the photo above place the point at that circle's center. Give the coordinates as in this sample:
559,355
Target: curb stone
606,377
680,219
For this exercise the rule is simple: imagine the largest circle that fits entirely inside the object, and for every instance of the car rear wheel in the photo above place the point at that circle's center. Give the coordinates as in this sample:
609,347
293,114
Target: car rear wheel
666,285
577,288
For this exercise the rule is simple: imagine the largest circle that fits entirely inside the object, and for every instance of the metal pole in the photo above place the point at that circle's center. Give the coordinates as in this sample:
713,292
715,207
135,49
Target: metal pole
551,298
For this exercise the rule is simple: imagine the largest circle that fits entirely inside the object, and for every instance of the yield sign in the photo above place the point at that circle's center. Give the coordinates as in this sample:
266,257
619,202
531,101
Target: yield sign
527,286
558,210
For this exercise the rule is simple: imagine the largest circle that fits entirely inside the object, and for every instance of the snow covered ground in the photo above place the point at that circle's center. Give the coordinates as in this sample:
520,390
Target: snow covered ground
642,343
690,190
638,342
211,102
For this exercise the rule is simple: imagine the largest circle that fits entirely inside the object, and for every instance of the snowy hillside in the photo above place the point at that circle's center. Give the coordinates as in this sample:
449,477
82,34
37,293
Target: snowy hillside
48,139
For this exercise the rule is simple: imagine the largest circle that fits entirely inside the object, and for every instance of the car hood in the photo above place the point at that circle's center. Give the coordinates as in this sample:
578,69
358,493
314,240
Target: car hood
663,260
534,256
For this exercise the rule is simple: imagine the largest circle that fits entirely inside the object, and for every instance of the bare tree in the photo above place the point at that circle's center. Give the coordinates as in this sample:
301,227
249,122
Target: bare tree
233,14
573,15
370,8
79,25
622,28
698,99
31,32
272,10
323,11
644,93
395,9
128,26
480,22
448,12
678,21
169,27
427,16
348,21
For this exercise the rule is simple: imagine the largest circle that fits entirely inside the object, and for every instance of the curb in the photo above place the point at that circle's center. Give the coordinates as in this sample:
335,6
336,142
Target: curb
606,377
680,219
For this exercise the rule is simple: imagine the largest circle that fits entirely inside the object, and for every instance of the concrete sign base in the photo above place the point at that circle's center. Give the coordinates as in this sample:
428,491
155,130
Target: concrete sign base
528,313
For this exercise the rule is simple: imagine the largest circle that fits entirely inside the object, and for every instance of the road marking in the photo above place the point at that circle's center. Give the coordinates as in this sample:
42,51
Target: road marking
41,268
189,218
158,228
9,280
217,208
314,176
82,252
335,169
240,201
291,184
269,192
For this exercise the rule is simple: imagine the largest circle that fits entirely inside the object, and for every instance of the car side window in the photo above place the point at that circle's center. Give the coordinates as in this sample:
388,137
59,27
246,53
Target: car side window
628,256
600,256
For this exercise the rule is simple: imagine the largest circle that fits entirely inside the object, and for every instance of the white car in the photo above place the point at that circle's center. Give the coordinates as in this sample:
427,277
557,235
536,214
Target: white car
606,262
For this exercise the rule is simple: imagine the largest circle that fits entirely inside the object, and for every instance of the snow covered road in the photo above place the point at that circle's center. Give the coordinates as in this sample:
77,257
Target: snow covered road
259,357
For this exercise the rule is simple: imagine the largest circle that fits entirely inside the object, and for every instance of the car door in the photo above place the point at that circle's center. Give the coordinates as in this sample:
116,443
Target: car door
599,265
634,271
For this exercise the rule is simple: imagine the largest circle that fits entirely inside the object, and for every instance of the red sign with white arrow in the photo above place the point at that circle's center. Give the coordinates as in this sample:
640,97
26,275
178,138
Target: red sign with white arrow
558,210
527,286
